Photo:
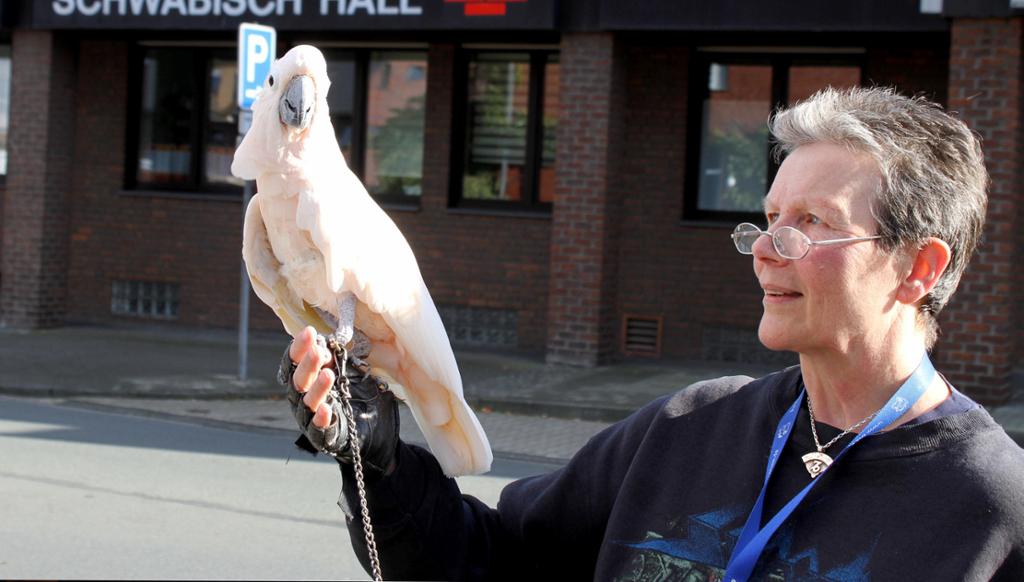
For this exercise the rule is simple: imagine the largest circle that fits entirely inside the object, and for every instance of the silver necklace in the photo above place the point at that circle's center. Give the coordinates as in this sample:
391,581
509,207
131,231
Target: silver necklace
817,462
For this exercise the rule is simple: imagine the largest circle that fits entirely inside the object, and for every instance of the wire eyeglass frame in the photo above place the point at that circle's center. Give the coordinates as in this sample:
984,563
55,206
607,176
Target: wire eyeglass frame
746,232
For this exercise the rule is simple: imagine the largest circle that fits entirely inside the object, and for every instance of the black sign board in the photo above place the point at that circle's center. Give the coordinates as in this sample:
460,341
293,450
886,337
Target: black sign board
982,8
764,15
296,14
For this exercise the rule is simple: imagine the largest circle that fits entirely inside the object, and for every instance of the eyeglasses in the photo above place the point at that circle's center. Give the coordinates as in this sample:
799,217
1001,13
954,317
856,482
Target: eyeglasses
789,242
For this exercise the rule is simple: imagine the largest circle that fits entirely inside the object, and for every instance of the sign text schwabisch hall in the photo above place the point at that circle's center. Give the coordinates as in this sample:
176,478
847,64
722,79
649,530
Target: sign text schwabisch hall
295,15
257,8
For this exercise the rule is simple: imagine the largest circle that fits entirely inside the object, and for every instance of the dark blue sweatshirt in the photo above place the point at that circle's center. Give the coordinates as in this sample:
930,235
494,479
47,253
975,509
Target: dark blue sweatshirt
664,494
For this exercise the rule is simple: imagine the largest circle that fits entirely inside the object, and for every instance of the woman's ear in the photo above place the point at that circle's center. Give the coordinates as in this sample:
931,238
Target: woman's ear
928,265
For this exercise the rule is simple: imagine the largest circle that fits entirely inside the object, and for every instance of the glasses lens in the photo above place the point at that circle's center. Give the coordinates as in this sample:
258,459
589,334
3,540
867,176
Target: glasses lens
745,235
791,243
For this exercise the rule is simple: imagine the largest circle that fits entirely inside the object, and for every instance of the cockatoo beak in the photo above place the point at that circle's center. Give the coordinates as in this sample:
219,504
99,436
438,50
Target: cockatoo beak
297,103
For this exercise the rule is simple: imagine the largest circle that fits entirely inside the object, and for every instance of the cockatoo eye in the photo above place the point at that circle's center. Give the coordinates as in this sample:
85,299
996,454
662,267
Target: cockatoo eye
270,80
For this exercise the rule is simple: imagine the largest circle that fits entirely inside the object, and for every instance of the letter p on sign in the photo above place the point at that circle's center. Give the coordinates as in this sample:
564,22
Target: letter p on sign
257,48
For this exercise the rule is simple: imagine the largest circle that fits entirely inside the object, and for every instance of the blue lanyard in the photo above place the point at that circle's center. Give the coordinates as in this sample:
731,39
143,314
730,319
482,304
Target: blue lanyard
752,540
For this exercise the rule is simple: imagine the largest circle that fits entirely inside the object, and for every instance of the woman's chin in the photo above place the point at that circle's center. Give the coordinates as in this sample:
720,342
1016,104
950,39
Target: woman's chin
775,339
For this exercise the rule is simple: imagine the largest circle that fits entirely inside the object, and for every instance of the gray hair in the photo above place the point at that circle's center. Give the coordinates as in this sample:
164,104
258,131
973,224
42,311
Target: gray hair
934,180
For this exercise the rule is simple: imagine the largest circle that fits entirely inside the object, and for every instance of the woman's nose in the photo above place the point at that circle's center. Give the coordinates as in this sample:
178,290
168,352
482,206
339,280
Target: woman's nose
764,249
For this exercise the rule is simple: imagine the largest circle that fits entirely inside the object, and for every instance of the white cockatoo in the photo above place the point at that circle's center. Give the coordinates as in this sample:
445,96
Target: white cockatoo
321,252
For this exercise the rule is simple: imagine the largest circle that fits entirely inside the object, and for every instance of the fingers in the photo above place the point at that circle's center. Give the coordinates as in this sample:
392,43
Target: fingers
314,358
317,394
322,416
301,344
310,377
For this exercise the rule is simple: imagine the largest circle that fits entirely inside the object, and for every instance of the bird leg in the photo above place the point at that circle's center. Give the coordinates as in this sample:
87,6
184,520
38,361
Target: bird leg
346,332
345,327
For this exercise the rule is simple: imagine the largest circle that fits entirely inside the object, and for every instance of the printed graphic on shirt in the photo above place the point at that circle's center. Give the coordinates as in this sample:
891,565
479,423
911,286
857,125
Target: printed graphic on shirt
697,549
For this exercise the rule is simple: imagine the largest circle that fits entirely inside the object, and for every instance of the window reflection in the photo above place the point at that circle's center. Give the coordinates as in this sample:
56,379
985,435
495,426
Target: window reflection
498,106
511,128
734,137
165,133
397,88
741,92
221,122
341,70
5,103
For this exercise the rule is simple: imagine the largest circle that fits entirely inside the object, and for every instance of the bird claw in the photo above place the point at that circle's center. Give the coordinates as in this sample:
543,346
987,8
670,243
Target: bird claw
356,350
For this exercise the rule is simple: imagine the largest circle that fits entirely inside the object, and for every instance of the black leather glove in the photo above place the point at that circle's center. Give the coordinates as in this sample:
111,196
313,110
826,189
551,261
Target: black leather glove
376,413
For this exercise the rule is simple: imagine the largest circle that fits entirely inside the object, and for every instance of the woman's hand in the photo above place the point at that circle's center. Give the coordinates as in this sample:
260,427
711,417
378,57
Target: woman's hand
313,376
308,372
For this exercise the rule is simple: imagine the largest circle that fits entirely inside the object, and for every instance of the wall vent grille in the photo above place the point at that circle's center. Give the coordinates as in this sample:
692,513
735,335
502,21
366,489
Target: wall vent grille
641,336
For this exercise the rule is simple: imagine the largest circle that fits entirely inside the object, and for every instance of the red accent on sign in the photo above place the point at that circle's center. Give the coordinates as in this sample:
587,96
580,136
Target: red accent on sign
484,7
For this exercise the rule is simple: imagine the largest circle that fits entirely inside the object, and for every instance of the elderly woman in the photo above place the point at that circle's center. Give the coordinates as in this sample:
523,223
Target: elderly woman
862,462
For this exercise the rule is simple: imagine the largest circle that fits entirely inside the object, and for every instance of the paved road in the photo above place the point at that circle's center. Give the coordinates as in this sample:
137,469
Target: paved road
87,493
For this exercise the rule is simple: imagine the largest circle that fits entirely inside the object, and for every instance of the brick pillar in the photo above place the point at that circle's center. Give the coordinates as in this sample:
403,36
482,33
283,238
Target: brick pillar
976,349
582,327
40,146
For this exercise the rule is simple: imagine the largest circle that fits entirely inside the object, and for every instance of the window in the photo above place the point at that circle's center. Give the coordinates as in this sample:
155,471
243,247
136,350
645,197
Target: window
507,157
377,101
185,138
733,95
5,104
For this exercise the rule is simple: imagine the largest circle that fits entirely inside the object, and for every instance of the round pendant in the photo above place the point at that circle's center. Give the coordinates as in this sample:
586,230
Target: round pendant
816,463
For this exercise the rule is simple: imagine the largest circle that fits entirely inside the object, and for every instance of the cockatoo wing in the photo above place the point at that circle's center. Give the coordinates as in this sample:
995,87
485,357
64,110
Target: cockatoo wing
263,268
365,253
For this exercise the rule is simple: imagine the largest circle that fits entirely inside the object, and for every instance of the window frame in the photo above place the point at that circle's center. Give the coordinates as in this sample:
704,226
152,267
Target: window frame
202,56
530,202
780,61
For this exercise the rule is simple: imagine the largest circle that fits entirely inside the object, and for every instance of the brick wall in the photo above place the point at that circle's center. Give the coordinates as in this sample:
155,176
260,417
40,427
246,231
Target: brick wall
983,320
40,158
585,232
619,243
192,242
690,274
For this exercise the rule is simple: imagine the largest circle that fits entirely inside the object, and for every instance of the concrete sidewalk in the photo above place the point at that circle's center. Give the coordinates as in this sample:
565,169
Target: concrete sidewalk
139,362
529,409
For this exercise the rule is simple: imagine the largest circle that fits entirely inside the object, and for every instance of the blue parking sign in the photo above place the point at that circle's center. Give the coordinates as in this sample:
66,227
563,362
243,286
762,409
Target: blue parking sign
257,48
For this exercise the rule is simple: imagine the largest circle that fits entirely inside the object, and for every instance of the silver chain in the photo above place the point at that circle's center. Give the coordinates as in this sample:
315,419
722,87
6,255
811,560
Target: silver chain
357,459
814,431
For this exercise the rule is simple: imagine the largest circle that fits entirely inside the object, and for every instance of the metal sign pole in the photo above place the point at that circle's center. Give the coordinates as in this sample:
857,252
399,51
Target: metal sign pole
244,121
257,46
